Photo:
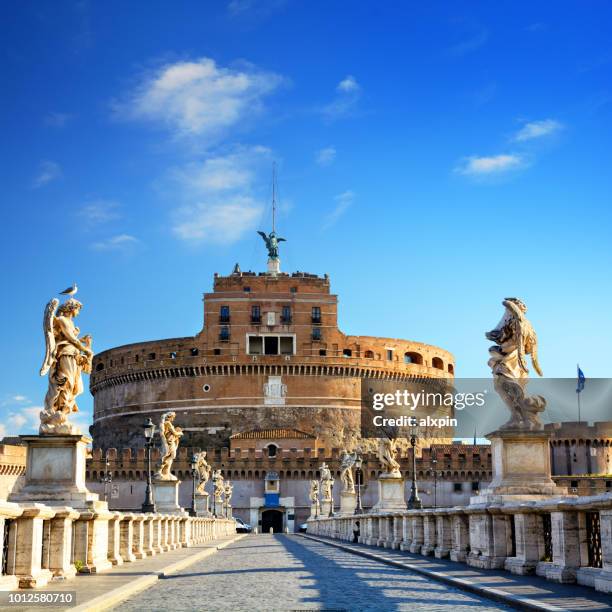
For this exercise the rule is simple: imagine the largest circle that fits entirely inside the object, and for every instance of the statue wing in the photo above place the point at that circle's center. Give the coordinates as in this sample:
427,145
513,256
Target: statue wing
263,235
281,240
534,354
48,319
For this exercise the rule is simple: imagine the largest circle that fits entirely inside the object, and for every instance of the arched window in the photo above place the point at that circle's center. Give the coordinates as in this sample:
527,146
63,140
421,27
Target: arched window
437,363
369,355
99,367
272,450
412,357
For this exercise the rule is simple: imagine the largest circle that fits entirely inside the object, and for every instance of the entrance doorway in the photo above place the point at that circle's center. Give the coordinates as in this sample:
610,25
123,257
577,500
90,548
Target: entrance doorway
271,518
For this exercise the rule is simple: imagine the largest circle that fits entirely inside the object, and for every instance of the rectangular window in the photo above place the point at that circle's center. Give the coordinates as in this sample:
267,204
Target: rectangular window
271,316
316,315
286,315
457,487
389,355
224,334
224,314
255,345
255,314
316,334
286,345
475,486
270,345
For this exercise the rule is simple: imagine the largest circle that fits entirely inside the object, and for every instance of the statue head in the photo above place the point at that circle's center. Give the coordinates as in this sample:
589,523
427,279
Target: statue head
518,302
70,308
168,416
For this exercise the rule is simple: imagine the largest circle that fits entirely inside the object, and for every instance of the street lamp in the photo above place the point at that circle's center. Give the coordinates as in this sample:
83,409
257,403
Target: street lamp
194,471
331,501
414,503
214,481
107,478
358,464
149,432
434,462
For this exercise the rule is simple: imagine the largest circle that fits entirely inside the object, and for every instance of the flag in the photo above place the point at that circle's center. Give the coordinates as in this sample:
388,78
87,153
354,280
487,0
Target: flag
581,379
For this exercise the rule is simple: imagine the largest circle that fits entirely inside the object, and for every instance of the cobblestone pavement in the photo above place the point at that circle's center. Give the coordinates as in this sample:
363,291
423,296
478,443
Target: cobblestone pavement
282,573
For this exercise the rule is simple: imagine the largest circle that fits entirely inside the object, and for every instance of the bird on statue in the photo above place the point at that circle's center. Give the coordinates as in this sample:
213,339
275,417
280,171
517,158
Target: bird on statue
70,290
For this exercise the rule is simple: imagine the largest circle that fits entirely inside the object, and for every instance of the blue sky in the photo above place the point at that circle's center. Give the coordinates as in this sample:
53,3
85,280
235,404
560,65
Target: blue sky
433,158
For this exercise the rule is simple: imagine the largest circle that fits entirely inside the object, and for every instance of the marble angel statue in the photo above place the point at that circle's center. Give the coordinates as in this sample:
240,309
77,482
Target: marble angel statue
387,451
67,356
203,469
327,482
170,436
314,492
515,339
346,471
219,485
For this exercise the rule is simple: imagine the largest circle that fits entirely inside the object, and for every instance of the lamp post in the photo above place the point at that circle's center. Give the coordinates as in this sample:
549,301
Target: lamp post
107,478
434,462
194,471
214,481
414,502
149,432
358,464
331,501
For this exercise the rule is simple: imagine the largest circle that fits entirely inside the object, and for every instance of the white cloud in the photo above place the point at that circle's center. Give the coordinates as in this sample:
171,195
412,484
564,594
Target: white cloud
199,97
98,212
220,194
348,93
343,202
25,420
116,243
217,221
326,156
348,84
19,398
48,171
538,129
487,166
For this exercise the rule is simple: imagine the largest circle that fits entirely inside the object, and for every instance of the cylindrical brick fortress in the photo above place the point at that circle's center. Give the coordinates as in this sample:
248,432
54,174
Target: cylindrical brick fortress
270,355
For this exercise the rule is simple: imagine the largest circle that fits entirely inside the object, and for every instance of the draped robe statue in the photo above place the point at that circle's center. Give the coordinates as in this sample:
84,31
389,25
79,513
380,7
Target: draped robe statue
346,471
170,437
203,469
387,452
326,482
514,339
67,356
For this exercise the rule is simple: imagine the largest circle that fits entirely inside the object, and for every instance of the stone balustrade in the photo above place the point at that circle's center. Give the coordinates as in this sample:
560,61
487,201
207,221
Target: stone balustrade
40,542
562,539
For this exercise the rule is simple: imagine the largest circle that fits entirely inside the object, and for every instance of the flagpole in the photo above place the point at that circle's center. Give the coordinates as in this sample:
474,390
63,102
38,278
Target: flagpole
578,394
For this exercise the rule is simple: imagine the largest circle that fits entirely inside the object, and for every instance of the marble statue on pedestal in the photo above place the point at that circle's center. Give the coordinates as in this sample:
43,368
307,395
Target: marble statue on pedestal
219,486
67,356
170,437
203,469
514,339
346,471
326,482
314,492
387,451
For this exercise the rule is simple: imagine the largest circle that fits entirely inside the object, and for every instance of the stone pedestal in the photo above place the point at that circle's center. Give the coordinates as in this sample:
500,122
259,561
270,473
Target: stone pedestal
315,510
521,467
390,494
325,508
55,472
273,266
201,504
348,503
165,493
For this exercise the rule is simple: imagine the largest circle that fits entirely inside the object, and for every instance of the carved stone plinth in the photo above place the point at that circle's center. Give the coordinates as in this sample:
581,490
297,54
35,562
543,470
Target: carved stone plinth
55,473
348,503
521,467
315,510
325,508
273,266
201,504
166,493
390,494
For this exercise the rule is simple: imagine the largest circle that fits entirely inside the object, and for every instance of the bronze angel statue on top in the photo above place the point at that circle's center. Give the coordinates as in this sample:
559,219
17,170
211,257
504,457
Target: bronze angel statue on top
514,339
67,356
272,241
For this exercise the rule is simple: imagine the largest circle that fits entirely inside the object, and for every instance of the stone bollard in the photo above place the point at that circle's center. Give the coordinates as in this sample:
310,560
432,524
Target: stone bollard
91,539
114,539
271,531
26,544
8,512
148,535
127,537
60,543
138,536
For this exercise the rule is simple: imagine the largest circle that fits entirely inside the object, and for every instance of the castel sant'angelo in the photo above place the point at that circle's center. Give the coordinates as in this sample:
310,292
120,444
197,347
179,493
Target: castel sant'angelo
269,358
